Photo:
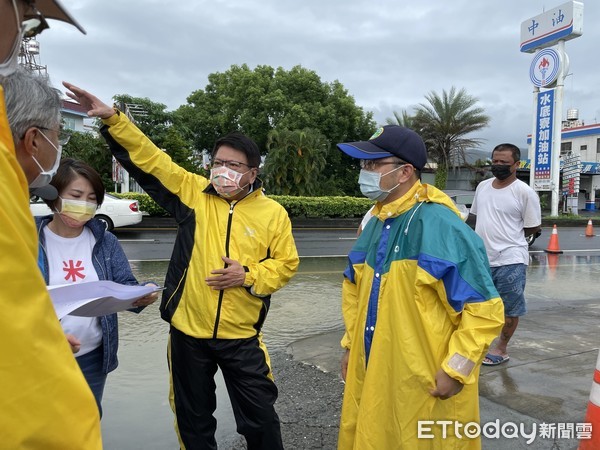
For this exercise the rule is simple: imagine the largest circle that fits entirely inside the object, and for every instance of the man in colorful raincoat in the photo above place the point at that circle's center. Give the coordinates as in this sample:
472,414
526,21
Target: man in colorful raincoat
419,306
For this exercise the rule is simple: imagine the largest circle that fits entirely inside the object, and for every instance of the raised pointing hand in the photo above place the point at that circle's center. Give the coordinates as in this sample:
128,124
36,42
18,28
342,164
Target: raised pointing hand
95,106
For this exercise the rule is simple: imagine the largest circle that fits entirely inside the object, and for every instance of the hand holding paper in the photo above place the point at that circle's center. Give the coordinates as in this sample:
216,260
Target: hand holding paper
99,298
148,299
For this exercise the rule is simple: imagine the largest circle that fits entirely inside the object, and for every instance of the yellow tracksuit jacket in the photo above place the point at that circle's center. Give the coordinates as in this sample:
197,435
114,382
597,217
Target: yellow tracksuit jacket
256,231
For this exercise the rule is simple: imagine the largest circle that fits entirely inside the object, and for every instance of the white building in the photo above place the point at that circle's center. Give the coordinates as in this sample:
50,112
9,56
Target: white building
73,115
584,140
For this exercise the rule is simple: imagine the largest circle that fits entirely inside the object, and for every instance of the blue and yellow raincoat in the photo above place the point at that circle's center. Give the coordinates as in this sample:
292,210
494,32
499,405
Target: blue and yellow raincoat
417,296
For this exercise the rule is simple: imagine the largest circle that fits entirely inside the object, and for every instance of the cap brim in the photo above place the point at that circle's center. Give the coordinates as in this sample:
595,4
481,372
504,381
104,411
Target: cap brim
48,192
363,150
53,9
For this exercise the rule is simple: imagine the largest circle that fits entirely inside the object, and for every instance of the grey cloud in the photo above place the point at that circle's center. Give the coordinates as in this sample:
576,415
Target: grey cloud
388,54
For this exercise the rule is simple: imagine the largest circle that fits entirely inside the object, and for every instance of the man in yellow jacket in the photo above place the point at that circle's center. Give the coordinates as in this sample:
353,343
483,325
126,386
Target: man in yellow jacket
45,402
234,248
419,306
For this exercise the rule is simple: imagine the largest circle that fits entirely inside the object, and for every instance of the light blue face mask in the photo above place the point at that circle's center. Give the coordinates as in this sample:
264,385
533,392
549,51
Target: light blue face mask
370,184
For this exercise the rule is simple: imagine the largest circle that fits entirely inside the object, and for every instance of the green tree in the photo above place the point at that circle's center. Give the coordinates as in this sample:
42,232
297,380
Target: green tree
179,150
256,101
93,150
295,162
444,123
157,123
151,117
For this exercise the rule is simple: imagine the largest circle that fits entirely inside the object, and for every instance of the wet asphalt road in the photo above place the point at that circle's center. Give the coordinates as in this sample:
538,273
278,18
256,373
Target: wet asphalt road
552,356
157,244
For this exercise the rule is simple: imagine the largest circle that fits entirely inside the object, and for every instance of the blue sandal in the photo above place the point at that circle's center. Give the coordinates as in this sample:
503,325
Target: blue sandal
494,360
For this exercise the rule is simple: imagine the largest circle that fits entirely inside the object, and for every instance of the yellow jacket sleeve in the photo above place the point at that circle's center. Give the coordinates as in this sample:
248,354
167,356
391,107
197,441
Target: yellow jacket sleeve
349,311
480,324
270,275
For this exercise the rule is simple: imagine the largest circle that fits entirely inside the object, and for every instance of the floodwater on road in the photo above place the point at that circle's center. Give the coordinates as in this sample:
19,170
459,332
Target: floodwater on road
562,277
137,414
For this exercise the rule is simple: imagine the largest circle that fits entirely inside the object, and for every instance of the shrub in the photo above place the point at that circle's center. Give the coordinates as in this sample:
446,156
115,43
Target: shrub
310,207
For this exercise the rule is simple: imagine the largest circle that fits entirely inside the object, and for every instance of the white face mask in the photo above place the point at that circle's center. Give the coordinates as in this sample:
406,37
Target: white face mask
226,181
9,65
370,184
43,179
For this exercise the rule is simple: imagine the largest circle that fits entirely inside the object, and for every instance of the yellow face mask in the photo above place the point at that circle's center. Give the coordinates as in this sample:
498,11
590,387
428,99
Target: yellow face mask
77,209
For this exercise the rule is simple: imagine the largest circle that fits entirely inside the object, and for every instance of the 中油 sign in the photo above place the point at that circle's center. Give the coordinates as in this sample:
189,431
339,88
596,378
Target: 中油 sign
564,22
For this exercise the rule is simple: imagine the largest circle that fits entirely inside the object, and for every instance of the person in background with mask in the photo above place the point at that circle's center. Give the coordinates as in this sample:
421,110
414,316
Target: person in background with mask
75,247
234,249
419,307
507,210
44,399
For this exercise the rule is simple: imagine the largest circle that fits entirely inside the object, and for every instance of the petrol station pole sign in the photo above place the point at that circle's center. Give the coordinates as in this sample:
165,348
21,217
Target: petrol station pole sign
547,73
565,22
542,180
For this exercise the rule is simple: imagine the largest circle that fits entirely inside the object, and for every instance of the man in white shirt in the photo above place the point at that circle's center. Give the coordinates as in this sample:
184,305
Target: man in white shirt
507,211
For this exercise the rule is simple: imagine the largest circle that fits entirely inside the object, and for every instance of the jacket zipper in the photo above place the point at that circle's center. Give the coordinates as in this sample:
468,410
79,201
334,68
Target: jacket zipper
222,292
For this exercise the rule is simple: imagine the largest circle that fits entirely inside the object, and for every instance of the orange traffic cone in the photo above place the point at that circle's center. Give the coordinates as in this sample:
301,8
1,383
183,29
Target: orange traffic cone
589,230
553,246
592,440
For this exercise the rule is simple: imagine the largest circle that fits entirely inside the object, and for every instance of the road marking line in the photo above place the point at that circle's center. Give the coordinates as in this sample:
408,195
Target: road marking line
148,260
569,251
138,240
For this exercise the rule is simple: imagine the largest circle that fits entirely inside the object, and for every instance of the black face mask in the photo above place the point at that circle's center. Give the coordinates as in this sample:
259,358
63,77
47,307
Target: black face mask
501,171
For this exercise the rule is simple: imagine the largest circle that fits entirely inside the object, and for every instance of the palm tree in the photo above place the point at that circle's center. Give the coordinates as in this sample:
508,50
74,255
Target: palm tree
444,122
403,119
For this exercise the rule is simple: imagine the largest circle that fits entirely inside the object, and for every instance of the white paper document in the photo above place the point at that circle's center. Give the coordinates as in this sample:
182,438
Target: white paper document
95,298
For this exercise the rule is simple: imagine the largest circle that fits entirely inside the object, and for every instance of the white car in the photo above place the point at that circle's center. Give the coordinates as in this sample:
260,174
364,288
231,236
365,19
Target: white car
114,212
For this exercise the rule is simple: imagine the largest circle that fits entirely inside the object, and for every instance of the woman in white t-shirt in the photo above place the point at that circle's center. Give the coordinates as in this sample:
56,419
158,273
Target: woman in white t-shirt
76,248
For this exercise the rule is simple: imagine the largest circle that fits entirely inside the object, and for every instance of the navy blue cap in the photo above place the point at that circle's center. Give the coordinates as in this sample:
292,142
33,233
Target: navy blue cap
390,140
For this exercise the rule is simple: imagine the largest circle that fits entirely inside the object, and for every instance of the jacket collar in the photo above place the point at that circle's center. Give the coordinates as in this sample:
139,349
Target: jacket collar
96,227
256,187
418,193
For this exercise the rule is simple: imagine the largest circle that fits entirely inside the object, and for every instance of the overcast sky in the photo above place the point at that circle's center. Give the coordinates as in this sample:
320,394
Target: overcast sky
387,53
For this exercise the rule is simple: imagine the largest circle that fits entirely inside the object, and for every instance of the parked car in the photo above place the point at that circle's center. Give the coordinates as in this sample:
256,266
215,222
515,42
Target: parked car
464,200
114,212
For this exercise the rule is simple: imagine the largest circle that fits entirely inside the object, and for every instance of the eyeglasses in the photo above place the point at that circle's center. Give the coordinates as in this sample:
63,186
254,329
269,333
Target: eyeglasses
371,164
63,136
35,24
233,165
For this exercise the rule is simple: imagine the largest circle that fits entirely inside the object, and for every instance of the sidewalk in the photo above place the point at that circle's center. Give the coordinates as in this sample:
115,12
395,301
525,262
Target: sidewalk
547,380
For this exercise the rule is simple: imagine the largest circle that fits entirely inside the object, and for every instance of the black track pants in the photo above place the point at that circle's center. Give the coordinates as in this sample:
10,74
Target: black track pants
247,375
